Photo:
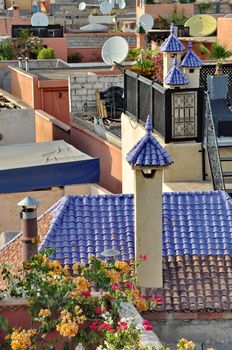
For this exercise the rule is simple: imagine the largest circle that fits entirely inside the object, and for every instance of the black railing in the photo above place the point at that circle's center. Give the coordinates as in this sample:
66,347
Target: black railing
176,113
209,69
211,147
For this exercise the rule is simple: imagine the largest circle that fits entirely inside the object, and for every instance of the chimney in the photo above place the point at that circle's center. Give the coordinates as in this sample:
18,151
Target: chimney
148,160
29,229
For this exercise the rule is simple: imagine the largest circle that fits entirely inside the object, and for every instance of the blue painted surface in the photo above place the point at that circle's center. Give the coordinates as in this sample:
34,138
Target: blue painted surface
194,223
191,60
175,76
172,43
148,151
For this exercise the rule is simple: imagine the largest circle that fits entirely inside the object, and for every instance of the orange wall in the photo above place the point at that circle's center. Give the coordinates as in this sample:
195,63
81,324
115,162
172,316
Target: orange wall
224,32
48,128
195,47
59,45
22,85
110,157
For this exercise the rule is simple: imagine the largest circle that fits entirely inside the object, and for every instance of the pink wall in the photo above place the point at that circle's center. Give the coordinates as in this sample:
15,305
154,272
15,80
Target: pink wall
59,45
110,157
224,32
22,86
165,10
6,23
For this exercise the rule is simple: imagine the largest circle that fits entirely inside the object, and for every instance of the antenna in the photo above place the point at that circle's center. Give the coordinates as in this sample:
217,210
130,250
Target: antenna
39,20
201,25
94,27
146,21
121,4
106,7
114,50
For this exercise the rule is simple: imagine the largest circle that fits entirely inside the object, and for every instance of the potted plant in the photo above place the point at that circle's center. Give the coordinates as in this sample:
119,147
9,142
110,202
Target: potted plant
217,83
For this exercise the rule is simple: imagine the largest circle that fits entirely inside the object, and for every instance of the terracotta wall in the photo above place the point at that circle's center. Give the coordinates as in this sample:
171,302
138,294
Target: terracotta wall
87,54
110,157
59,45
224,32
48,128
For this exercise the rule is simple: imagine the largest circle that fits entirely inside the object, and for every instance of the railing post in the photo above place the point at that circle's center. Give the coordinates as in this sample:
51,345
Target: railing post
168,116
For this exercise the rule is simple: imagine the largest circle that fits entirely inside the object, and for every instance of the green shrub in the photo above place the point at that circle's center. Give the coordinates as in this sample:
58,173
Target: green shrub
6,50
46,54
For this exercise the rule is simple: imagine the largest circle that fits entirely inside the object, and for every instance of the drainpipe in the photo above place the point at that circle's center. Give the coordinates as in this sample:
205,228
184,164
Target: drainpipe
29,238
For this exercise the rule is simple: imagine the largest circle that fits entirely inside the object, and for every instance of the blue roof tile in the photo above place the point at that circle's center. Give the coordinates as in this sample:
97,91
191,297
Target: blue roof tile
175,76
148,151
191,60
172,43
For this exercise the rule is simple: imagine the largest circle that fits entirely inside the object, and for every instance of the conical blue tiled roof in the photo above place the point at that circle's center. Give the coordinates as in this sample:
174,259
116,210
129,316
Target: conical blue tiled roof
172,43
148,151
191,60
175,76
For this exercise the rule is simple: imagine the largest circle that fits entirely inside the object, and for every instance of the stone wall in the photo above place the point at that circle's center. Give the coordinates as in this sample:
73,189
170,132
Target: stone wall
95,40
82,92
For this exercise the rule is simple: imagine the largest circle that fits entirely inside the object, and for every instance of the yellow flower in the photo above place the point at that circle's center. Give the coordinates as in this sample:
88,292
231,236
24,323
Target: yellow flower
122,266
21,339
44,313
141,304
81,283
114,276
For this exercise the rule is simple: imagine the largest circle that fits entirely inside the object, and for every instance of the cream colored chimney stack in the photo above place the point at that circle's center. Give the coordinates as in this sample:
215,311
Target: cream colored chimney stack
148,159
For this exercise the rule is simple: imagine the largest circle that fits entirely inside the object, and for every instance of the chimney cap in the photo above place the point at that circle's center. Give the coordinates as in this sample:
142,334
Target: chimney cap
28,202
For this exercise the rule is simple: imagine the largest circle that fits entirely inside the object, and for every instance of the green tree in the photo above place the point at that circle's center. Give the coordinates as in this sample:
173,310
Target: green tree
218,53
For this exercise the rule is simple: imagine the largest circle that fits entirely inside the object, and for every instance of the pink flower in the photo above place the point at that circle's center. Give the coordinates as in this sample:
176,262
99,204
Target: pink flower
147,326
115,287
130,285
157,300
98,310
143,257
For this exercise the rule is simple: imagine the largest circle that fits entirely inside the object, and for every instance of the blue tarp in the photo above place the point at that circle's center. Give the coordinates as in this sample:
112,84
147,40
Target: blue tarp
34,166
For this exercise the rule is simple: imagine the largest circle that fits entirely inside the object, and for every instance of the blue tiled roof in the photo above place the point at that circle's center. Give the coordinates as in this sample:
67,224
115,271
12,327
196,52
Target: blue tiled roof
191,60
172,43
175,76
148,151
194,223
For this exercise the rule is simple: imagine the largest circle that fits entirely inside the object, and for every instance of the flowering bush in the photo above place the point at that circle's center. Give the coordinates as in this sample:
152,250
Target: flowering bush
61,301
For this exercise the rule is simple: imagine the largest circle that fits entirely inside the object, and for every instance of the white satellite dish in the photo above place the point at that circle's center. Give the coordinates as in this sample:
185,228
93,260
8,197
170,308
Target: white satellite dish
106,7
112,2
115,50
228,15
121,4
146,22
82,6
39,20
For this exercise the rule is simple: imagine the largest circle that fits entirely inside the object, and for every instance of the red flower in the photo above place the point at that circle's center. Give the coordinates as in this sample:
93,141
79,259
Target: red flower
121,325
86,294
147,326
105,326
94,325
143,257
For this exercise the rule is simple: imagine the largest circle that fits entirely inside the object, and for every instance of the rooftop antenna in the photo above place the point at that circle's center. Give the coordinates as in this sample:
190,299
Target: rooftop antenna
146,22
82,6
106,7
115,50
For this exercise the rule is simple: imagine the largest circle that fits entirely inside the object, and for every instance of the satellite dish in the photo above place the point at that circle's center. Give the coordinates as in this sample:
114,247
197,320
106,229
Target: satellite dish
146,21
228,15
121,4
106,7
114,50
82,6
112,2
201,25
39,20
